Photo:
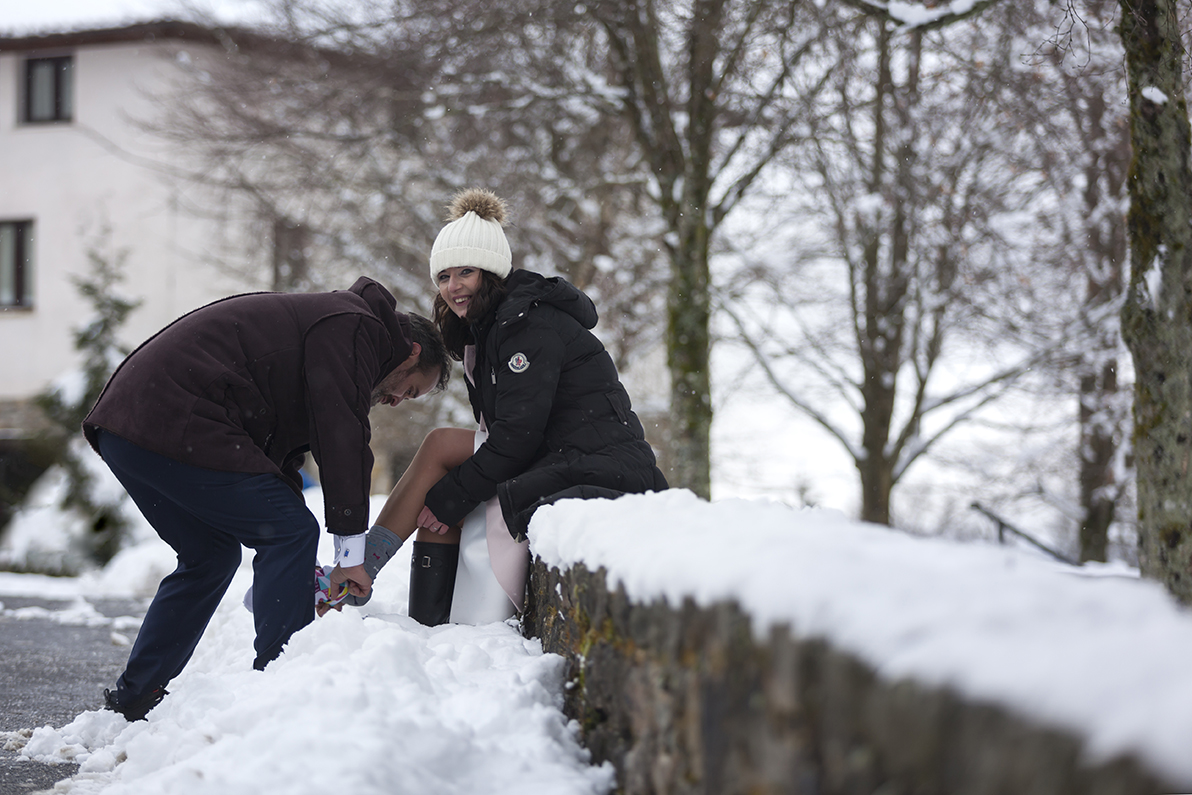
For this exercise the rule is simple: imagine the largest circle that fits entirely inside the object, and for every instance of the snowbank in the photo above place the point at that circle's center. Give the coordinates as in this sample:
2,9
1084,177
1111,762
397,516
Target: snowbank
364,701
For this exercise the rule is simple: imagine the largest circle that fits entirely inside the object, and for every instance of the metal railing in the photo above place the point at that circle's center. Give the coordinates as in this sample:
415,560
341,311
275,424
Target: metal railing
1004,527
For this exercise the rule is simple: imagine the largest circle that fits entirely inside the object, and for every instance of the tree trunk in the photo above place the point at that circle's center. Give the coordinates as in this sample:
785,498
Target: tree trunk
688,337
1157,315
877,483
1098,449
688,345
1100,418
887,280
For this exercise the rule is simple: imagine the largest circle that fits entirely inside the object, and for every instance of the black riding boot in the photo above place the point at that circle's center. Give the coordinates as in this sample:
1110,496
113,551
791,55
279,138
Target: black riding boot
432,582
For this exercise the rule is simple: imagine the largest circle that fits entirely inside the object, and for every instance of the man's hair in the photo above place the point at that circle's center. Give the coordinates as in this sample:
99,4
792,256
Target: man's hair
456,331
434,353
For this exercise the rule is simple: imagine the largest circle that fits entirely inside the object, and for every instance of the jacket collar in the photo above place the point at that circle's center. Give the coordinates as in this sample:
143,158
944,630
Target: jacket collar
383,306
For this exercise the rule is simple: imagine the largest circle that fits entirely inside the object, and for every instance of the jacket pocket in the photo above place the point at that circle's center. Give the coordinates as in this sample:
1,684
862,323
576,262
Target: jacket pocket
247,409
620,405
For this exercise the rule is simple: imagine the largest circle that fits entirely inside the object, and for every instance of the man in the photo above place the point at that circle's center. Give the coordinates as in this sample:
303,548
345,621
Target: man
206,426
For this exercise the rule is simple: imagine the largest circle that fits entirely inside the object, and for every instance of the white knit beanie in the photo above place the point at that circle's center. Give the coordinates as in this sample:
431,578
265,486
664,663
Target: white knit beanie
474,237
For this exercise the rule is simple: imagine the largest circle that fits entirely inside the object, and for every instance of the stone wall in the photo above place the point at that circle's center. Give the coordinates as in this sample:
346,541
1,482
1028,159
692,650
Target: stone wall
682,699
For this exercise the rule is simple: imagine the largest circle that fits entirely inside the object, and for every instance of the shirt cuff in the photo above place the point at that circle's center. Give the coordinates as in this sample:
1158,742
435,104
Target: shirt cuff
349,550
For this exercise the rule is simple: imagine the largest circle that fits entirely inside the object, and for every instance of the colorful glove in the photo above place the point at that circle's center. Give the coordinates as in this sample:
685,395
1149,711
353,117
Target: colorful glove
323,587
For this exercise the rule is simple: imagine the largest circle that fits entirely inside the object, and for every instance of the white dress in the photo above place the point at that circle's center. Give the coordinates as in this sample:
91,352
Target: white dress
490,583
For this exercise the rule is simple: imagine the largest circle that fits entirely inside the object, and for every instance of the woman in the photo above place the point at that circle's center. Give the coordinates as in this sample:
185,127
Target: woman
555,422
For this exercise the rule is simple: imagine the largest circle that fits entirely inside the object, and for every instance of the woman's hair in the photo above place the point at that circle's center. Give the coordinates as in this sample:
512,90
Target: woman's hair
455,330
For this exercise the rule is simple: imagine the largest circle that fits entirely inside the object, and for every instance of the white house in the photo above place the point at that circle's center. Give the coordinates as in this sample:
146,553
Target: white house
81,174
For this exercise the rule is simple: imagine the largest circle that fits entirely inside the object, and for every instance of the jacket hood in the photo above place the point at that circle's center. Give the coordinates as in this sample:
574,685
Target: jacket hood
526,288
383,306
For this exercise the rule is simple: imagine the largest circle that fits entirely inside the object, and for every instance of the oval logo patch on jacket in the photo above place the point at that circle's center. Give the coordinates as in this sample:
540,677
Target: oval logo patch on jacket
518,363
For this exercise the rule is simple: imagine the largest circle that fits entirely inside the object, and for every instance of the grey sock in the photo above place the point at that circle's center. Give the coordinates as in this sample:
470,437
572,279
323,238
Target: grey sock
379,546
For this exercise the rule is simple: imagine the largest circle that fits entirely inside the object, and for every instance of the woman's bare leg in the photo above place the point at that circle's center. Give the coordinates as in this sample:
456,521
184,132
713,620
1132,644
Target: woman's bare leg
442,450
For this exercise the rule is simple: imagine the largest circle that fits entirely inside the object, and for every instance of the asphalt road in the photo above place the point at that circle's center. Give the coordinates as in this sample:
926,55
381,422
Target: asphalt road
49,673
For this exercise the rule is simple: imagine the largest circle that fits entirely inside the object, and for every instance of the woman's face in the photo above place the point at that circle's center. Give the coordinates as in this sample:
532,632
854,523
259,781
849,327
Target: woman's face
458,286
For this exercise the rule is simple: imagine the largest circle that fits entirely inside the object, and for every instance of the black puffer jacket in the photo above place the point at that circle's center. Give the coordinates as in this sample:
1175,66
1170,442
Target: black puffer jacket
559,421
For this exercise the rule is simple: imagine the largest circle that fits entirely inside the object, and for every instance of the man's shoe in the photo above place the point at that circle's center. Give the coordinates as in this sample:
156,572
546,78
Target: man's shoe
133,708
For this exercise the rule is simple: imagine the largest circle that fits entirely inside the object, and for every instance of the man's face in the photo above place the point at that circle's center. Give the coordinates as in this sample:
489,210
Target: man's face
405,383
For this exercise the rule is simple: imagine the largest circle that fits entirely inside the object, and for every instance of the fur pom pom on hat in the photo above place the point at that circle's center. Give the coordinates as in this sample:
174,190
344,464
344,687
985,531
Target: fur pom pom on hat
474,237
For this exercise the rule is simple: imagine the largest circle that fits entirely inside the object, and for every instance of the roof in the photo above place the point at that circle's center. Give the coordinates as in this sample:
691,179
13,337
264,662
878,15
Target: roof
160,30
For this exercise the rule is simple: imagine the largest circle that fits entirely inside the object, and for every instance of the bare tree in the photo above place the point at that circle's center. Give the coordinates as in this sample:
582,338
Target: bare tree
351,125
900,325
711,89
1069,93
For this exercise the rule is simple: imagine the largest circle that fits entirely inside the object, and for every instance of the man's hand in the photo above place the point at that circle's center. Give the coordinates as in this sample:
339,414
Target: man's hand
359,583
427,519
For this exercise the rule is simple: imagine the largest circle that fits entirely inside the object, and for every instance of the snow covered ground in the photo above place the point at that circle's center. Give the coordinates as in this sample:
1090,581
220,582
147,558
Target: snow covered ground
364,701
368,701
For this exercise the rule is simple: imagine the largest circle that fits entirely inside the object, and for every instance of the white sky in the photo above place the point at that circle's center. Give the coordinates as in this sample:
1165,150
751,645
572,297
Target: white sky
42,16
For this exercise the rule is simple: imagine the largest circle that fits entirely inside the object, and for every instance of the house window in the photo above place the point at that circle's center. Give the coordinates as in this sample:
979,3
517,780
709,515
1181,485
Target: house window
49,89
16,264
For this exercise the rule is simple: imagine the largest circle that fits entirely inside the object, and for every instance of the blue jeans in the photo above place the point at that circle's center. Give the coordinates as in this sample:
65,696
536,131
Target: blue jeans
206,516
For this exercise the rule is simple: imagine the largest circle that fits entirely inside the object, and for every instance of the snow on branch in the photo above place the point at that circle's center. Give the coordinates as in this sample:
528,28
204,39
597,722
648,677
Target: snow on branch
917,16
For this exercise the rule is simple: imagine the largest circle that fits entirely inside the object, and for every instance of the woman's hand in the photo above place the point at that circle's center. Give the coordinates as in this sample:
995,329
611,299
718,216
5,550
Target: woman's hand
427,519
